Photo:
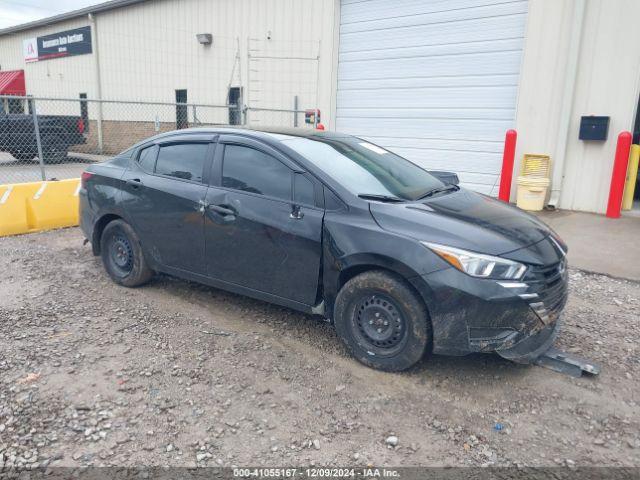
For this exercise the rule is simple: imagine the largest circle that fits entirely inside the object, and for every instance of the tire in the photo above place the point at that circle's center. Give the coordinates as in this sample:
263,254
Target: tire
362,307
122,255
55,155
22,156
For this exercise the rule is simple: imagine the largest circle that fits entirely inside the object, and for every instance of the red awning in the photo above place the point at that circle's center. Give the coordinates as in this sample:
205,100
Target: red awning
12,83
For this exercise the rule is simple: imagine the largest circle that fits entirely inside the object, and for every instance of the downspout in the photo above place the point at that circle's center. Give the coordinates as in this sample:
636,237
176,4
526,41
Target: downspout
567,100
96,66
335,51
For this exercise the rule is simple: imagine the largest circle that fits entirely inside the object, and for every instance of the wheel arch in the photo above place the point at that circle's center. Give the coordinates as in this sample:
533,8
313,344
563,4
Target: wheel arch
358,264
99,227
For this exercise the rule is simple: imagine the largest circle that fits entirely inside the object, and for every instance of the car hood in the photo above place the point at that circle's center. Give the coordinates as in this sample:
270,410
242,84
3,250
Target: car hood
462,219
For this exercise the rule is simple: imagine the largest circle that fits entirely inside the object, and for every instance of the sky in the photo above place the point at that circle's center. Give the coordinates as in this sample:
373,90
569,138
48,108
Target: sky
15,12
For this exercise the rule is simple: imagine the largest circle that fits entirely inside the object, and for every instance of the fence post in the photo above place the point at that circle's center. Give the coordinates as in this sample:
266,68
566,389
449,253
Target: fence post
36,129
99,126
508,157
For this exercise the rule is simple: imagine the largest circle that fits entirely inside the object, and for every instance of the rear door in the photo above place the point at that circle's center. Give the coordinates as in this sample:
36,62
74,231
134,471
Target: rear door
263,226
163,195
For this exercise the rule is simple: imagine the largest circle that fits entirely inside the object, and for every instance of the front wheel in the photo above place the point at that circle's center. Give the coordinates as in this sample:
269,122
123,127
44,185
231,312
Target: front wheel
122,255
382,321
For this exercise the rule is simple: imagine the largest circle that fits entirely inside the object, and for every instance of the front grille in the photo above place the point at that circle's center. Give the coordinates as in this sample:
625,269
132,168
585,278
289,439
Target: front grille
550,283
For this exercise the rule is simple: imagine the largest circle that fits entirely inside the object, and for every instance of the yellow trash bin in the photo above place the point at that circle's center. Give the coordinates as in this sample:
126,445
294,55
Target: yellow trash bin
532,192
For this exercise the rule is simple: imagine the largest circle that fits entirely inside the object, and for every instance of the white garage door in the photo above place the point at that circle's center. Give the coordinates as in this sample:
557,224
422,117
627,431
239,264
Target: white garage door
433,80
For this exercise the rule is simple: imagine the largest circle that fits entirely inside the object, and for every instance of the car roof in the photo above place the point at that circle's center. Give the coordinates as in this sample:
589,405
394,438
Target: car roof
276,133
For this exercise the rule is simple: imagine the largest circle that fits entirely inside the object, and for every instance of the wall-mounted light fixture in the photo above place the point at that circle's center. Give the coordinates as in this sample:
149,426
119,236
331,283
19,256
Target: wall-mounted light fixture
204,38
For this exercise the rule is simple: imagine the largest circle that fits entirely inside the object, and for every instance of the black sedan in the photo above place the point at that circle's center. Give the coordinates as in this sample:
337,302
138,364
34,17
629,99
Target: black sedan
402,261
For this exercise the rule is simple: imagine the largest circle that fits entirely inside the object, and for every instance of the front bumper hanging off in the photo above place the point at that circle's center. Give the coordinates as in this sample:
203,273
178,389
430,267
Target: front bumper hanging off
538,349
566,363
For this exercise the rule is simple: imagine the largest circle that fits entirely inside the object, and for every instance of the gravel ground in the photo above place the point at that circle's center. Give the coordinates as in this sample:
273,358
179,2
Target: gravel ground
180,374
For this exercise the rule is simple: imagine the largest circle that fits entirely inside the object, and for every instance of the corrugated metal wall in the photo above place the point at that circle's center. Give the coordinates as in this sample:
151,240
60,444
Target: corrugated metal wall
58,77
607,82
149,50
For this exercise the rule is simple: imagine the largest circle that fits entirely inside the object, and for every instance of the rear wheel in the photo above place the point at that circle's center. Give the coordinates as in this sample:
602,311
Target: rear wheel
56,154
122,255
22,156
382,321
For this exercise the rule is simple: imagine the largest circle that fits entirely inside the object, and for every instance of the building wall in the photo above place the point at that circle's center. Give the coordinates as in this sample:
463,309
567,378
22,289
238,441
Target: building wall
581,58
273,49
62,78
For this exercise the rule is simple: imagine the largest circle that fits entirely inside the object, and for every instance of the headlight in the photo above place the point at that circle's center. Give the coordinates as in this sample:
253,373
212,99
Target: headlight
558,241
477,264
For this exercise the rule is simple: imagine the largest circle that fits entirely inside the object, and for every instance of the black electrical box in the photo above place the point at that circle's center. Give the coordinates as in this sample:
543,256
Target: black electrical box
594,128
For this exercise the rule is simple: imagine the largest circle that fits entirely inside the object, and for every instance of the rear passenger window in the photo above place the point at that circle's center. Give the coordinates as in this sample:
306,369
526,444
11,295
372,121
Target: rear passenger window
147,158
303,190
182,160
251,170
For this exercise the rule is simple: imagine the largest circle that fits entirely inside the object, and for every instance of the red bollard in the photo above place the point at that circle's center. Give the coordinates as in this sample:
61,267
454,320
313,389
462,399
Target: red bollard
508,158
619,175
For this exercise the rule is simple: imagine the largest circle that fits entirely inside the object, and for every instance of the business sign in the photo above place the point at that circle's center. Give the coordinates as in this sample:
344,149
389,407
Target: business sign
56,45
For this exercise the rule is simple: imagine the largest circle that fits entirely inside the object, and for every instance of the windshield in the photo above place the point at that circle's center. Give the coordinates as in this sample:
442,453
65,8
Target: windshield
366,169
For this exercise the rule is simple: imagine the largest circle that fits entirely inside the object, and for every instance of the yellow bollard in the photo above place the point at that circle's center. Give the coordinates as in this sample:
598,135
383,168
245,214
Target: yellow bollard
632,174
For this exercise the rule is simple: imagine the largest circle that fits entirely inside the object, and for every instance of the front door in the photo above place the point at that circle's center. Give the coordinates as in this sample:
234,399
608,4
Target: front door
258,233
163,195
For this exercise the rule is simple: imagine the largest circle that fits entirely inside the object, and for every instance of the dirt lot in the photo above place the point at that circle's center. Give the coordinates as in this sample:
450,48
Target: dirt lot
180,374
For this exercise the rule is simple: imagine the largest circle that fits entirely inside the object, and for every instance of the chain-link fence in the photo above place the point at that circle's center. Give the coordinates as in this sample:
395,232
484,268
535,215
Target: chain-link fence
52,138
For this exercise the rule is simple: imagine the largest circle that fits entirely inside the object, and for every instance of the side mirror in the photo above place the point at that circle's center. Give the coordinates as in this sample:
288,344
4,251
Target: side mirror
446,177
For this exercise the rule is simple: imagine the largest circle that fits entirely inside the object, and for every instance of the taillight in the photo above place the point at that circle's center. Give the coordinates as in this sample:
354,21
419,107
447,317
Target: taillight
84,178
80,125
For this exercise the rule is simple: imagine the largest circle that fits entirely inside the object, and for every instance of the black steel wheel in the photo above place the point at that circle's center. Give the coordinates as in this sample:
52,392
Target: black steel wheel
379,324
122,255
382,321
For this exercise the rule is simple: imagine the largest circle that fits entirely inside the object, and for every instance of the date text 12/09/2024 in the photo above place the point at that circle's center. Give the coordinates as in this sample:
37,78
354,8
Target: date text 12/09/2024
315,472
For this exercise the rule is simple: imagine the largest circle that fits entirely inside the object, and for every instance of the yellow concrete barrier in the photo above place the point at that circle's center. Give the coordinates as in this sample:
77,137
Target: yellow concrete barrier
31,207
632,174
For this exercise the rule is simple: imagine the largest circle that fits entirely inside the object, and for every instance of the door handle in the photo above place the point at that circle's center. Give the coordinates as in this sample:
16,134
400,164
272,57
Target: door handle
222,210
134,182
228,214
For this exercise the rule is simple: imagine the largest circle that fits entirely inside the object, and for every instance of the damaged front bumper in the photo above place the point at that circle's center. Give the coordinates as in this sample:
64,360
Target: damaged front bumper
538,349
518,320
530,348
